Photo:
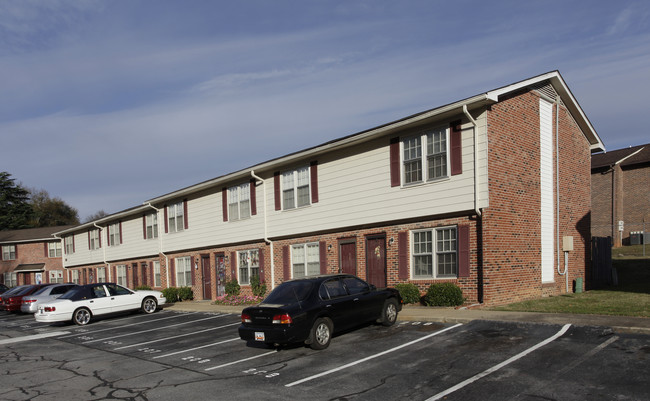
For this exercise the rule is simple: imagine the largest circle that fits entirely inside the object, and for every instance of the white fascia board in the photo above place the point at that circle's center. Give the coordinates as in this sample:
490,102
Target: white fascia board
103,220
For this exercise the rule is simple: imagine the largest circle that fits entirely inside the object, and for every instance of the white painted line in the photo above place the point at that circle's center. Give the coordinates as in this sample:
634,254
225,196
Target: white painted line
502,364
156,329
32,337
241,360
88,332
180,335
195,348
371,357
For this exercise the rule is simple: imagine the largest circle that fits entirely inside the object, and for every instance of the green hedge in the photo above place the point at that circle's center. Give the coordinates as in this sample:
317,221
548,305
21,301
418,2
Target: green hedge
175,294
444,294
410,293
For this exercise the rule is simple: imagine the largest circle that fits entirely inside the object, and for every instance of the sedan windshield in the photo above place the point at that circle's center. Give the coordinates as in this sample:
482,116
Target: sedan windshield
290,292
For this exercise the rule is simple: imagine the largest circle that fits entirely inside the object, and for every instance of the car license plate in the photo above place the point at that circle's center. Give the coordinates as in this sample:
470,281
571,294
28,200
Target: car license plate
259,336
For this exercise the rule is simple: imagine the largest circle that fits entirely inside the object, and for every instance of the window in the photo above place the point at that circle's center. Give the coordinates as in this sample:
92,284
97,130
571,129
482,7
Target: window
151,226
425,156
295,188
176,217
239,202
93,239
114,234
56,276
305,259
69,245
9,252
249,265
54,249
101,274
184,271
11,279
74,276
121,274
156,274
435,253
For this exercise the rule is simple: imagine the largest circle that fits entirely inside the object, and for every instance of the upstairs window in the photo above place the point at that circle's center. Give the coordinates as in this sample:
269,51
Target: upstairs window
176,217
295,188
239,202
54,249
69,245
94,240
114,234
425,156
9,252
151,226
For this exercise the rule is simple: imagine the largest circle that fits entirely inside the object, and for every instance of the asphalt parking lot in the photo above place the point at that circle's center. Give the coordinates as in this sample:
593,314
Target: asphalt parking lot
179,355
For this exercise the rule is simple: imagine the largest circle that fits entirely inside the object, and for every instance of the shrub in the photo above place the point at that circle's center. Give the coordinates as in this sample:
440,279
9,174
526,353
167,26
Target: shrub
142,287
259,289
444,294
171,294
185,293
232,287
409,292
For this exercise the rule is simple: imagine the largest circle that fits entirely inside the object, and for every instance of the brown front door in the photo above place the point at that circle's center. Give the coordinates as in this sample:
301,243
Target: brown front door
376,260
348,255
207,277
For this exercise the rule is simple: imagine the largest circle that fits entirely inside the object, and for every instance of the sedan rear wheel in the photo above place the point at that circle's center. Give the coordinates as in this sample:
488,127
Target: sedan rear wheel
149,305
321,334
81,316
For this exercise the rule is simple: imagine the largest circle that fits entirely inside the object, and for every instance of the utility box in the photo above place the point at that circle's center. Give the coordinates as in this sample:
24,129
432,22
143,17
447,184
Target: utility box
567,243
635,238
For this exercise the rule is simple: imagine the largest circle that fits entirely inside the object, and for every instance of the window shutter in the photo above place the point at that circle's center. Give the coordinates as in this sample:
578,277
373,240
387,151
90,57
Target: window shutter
108,236
99,234
166,221
224,203
233,266
313,171
114,277
73,250
152,278
192,269
88,239
323,257
463,251
395,175
144,226
277,190
120,228
261,261
286,263
403,255
456,148
172,272
186,220
253,197
45,248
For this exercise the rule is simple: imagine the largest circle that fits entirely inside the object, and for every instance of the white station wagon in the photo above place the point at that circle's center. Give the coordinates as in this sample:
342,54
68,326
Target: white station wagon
84,302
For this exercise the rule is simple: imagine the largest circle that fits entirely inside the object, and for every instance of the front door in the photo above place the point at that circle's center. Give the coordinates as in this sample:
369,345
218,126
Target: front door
376,260
207,277
348,255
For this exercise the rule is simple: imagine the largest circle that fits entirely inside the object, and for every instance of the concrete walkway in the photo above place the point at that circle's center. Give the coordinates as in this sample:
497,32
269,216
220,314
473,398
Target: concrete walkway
621,324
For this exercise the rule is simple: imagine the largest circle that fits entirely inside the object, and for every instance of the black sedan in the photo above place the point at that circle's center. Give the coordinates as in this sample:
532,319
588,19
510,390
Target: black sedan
312,309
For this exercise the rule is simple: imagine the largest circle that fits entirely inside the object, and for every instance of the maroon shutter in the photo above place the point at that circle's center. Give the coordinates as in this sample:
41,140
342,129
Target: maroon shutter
108,235
166,221
286,263
185,217
144,226
395,180
261,261
114,277
45,246
172,272
120,228
193,269
322,246
152,278
233,265
224,203
313,170
99,234
403,255
463,251
73,250
456,148
88,239
253,198
277,190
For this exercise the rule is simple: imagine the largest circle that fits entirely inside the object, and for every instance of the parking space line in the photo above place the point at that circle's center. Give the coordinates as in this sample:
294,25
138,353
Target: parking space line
180,335
195,348
127,325
371,357
241,360
156,329
32,337
502,364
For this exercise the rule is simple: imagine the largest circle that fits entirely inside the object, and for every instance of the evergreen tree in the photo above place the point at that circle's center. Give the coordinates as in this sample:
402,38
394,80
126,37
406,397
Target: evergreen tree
15,209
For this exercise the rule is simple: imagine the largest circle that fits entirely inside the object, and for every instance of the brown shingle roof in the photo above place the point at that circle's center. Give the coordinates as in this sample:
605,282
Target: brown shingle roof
610,158
30,234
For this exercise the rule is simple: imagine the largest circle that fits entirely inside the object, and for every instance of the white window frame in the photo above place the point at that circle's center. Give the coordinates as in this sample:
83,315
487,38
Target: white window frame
151,225
183,271
421,154
156,274
305,259
9,252
114,234
56,276
74,276
69,244
248,265
101,274
54,249
296,188
11,279
239,202
94,239
176,217
438,249
120,272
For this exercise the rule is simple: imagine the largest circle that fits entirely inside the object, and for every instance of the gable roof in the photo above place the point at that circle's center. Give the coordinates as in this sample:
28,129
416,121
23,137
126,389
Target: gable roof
625,157
31,234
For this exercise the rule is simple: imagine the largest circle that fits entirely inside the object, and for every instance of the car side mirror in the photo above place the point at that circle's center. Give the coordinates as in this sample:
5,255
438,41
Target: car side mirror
373,287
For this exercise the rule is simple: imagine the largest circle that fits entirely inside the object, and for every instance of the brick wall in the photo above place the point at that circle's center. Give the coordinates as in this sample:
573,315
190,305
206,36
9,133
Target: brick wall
31,253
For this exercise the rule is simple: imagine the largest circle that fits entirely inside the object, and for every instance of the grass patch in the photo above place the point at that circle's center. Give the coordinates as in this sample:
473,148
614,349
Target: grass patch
630,298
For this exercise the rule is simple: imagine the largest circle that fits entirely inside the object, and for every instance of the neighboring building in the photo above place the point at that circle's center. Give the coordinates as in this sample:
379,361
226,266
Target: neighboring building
486,192
620,194
31,256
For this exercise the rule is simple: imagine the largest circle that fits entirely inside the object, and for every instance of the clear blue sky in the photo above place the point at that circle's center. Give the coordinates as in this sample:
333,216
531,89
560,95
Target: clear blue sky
108,103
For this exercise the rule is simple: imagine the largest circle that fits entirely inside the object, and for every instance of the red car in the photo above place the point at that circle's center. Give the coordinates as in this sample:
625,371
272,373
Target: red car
11,300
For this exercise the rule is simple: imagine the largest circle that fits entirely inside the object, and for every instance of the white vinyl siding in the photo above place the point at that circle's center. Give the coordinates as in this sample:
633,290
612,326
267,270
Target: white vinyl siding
547,211
305,260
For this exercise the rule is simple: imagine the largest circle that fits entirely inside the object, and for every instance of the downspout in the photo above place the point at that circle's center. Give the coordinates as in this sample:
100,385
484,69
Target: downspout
160,239
266,232
108,270
476,194
557,198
